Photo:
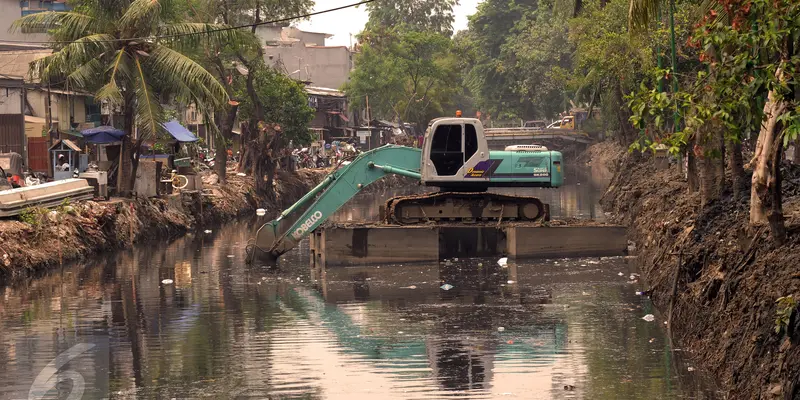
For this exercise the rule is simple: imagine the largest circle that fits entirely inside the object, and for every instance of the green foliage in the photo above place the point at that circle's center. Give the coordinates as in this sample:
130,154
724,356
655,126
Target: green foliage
34,216
132,73
423,15
409,75
285,103
785,307
741,55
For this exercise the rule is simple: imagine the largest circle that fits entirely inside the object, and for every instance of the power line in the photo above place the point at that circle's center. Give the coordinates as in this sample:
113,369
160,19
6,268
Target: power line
228,28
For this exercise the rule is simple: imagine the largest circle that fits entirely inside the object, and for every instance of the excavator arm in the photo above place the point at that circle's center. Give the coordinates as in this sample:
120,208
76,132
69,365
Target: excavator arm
273,239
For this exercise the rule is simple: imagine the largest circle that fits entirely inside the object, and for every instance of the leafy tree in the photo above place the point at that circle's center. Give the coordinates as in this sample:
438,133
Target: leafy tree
278,112
487,58
423,15
222,59
128,54
408,76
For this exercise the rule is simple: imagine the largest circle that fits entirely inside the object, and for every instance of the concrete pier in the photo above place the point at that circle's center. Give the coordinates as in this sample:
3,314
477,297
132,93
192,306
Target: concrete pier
363,245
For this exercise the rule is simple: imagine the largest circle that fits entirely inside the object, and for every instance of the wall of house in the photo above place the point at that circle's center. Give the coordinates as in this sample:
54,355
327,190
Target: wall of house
10,100
327,67
10,11
60,106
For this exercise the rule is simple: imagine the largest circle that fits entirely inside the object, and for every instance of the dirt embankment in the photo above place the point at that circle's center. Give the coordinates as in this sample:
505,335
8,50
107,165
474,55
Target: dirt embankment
723,297
73,231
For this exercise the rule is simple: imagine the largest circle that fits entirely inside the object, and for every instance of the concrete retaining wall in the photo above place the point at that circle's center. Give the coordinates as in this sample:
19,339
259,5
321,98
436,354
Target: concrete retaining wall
337,246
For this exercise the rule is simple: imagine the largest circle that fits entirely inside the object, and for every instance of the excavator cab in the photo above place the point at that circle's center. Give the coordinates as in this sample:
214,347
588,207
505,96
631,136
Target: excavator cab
456,156
453,147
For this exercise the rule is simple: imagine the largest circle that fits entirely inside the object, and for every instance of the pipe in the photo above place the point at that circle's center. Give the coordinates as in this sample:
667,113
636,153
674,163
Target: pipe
397,171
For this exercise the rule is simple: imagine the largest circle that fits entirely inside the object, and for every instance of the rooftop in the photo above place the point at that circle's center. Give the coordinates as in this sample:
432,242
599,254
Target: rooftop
321,91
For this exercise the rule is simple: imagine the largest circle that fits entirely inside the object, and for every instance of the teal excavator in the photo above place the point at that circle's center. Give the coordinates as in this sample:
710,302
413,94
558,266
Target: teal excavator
455,158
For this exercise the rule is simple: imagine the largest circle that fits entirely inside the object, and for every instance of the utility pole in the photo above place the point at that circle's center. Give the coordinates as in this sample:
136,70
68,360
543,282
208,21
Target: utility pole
369,123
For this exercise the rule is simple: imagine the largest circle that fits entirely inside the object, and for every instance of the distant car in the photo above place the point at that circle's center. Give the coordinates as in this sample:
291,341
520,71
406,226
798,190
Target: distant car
538,124
555,125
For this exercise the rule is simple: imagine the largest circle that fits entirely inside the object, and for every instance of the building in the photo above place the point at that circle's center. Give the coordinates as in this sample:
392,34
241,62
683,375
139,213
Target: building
11,10
331,116
305,57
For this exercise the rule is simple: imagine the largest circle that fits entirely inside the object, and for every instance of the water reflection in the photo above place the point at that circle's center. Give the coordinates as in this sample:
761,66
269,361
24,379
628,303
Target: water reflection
226,330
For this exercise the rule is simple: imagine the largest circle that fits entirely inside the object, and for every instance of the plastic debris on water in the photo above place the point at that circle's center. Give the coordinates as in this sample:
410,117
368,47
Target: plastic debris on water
167,281
649,318
503,262
446,286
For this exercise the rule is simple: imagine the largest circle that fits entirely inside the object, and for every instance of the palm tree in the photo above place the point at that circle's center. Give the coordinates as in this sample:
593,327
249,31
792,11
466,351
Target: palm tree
129,53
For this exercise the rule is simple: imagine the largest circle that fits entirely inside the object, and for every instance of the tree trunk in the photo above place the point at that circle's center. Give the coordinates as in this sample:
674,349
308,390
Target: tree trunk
692,180
126,168
221,157
736,166
765,190
627,134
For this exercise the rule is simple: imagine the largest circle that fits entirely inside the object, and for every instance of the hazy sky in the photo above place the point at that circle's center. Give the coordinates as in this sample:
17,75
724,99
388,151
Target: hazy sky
350,21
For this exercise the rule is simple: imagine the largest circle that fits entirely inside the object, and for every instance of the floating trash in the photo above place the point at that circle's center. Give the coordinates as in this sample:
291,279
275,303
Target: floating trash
261,212
652,340
503,262
208,231
409,287
480,265
649,318
510,282
446,286
500,329
690,369
241,174
638,293
230,255
167,281
455,259
620,274
447,263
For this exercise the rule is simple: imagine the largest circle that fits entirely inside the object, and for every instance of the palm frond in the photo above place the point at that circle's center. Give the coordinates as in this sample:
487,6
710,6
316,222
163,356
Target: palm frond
86,75
72,56
169,66
707,5
190,35
149,113
111,92
641,13
141,15
74,24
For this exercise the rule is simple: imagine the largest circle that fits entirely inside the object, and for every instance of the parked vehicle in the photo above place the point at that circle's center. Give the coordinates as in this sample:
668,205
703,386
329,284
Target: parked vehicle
11,163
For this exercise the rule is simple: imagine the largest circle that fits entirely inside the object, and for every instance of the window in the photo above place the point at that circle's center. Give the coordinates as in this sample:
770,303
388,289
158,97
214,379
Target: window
446,153
470,141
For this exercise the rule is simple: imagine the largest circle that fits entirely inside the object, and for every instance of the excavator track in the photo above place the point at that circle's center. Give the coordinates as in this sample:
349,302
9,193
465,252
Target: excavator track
464,207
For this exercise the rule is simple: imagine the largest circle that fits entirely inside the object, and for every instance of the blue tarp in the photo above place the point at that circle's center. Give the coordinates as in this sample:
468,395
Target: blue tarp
179,132
103,134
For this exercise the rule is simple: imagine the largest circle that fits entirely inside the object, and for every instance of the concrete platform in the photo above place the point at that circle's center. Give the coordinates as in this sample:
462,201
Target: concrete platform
364,245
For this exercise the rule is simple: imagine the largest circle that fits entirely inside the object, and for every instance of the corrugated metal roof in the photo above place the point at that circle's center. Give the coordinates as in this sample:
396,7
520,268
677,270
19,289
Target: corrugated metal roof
17,62
321,91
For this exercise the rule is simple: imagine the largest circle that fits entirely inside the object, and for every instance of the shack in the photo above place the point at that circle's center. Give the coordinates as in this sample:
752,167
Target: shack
64,154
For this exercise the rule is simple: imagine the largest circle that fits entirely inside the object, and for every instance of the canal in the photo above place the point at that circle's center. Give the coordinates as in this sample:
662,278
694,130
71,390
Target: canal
187,318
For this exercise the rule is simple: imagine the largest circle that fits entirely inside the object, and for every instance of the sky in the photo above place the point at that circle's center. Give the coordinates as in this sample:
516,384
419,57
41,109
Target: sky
341,24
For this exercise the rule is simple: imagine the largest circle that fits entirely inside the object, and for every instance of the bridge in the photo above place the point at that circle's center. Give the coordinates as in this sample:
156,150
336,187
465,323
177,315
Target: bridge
499,138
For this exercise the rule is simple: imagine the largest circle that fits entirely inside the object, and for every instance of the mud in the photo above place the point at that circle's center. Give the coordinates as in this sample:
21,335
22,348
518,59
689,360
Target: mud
74,231
723,296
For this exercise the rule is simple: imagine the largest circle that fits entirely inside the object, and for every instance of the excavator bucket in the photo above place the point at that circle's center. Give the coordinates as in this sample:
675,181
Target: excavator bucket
260,248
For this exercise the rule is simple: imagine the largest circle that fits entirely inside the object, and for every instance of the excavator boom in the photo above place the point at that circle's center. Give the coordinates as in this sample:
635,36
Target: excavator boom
274,239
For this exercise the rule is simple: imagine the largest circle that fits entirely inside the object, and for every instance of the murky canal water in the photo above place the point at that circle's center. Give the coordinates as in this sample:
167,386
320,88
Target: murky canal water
548,329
